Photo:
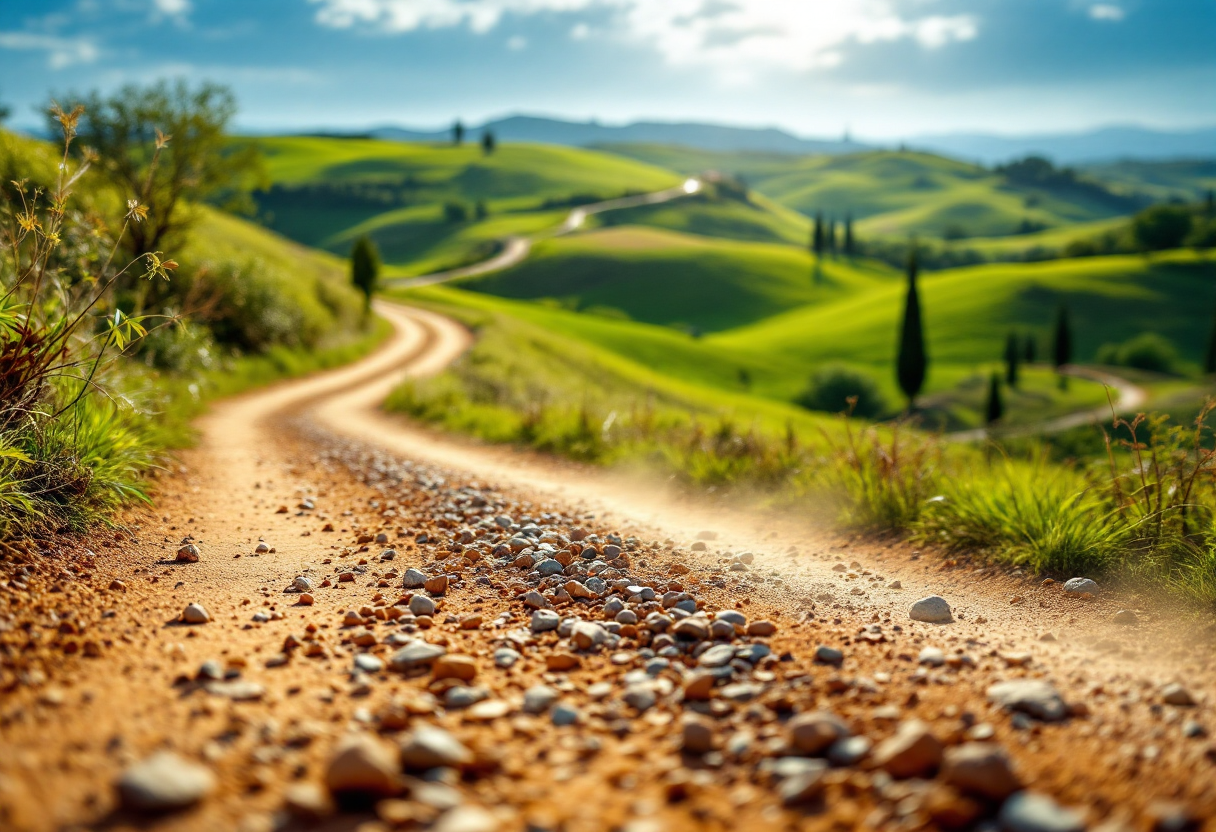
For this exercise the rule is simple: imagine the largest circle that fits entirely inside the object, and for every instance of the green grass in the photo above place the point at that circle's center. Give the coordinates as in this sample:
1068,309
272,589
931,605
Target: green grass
895,194
759,220
329,191
1188,180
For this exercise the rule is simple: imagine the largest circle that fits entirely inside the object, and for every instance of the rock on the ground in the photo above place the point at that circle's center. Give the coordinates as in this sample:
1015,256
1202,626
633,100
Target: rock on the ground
164,782
188,553
430,747
413,578
416,655
421,605
828,655
813,733
932,609
1081,586
912,751
1125,617
981,768
1030,812
363,765
195,614
1034,697
698,734
1176,694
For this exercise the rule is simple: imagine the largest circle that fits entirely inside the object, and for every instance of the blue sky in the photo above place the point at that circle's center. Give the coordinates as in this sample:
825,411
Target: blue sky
882,68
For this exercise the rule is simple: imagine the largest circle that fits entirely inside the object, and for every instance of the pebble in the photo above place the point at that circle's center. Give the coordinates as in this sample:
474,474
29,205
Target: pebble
717,656
981,768
418,654
505,657
812,733
912,751
1034,697
1176,694
188,553
698,734
849,751
303,584
437,585
466,818
421,605
933,609
545,620
413,578
693,628
368,663
306,599
803,786
164,782
455,666
430,747
587,635
564,714
761,629
1081,586
828,655
932,656
195,614
1030,812
539,698
363,765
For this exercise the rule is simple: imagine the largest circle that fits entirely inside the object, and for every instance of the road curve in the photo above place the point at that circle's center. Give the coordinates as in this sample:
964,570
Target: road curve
1128,397
516,249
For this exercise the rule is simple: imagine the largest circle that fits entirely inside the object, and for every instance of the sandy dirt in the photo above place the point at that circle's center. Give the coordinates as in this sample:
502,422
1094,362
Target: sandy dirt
98,673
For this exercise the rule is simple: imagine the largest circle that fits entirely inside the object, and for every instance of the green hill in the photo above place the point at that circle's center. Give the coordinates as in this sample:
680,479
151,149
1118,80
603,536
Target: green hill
1185,179
900,193
672,279
420,202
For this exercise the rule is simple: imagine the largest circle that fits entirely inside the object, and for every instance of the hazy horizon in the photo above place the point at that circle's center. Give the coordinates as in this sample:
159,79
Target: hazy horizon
884,70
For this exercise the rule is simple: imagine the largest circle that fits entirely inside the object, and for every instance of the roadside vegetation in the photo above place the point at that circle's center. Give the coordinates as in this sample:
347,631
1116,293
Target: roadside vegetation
126,301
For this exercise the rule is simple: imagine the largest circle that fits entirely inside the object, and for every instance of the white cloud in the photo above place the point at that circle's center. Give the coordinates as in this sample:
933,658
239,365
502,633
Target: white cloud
172,8
60,52
517,43
1106,11
738,37
580,31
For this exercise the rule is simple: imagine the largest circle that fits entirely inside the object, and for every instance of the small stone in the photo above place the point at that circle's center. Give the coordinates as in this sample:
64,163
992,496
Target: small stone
849,751
700,686
455,666
564,714
1176,694
717,656
188,553
549,567
980,768
262,548
363,765
413,578
1030,812
828,655
803,786
303,584
761,629
912,751
1081,586
164,782
437,585
308,802
468,818
812,733
587,635
562,661
505,657
539,699
932,609
693,628
416,655
306,599
421,605
932,656
1035,697
545,620
210,669
430,747
368,663
698,734
195,614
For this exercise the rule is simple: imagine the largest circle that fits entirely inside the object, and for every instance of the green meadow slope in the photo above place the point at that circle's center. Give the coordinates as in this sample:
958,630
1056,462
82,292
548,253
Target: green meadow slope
326,192
894,194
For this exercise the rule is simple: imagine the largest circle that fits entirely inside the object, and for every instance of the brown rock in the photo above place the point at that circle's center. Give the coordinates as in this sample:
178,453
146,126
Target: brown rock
455,666
812,733
698,734
980,768
363,765
562,661
912,752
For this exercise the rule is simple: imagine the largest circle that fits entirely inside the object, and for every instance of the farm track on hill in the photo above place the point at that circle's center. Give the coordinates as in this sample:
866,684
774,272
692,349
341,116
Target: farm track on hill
634,714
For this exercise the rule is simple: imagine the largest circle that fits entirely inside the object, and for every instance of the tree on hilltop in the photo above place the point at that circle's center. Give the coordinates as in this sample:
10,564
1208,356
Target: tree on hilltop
488,142
995,407
458,133
912,363
365,267
1062,344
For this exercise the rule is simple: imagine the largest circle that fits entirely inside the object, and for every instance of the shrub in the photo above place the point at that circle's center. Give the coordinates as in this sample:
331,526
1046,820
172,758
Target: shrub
1147,351
455,212
1162,227
832,387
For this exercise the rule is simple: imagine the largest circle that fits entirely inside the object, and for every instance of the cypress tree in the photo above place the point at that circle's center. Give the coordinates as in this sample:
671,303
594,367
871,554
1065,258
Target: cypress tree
850,244
817,236
1013,357
995,408
913,361
365,267
458,133
1062,344
488,142
1209,360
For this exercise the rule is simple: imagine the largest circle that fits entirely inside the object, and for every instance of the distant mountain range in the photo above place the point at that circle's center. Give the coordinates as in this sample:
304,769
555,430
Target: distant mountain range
1103,145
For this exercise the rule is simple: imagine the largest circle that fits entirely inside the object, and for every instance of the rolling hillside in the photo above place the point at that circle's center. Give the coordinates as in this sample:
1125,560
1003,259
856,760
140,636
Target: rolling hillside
894,194
423,204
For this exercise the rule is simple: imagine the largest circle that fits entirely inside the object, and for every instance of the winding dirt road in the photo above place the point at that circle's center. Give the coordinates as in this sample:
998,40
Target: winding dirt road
586,727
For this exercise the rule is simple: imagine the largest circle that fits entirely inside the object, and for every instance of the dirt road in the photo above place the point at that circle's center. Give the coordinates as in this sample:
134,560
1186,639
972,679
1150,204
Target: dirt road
550,647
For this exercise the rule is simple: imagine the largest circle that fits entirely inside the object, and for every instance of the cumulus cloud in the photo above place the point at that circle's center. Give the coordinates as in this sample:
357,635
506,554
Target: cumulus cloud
1106,11
61,52
178,9
737,36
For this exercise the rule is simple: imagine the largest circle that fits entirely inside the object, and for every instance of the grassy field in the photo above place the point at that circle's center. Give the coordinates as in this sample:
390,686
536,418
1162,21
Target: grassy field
325,192
894,194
